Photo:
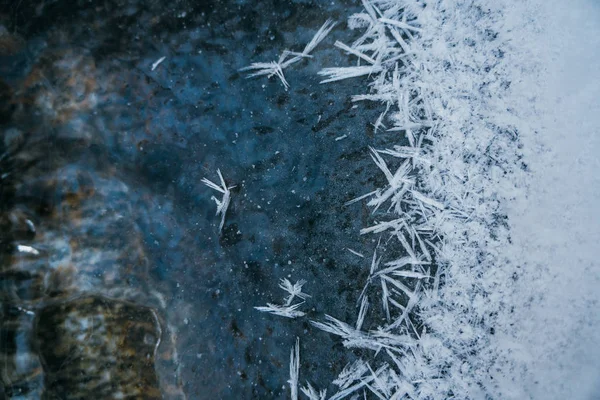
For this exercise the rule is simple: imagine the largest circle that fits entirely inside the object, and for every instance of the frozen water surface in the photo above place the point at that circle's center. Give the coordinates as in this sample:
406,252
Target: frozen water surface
148,183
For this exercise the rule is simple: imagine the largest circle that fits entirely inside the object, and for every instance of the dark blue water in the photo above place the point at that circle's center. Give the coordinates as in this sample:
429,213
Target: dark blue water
114,138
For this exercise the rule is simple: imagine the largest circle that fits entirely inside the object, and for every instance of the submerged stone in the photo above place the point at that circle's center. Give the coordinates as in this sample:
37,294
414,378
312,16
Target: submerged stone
101,348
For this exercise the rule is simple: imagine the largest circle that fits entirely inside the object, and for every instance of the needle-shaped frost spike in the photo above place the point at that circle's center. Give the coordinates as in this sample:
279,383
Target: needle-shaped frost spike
294,370
394,225
340,73
359,198
426,200
319,36
364,306
342,329
375,261
356,253
371,10
400,24
354,51
223,204
379,384
283,311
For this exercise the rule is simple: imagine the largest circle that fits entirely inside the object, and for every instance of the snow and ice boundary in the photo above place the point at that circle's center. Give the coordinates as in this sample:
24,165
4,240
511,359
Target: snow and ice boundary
490,199
442,73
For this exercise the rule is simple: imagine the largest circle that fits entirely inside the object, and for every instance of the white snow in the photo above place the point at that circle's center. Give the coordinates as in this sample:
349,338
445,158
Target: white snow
555,224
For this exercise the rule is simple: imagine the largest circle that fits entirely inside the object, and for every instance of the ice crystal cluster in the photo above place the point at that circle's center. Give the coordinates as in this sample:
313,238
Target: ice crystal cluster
287,309
468,313
288,58
440,204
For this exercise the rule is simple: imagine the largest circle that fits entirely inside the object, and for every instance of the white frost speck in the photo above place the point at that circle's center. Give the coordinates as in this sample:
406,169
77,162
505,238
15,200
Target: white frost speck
157,63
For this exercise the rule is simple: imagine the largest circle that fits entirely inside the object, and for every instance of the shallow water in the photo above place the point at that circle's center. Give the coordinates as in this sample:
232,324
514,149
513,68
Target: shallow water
115,191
